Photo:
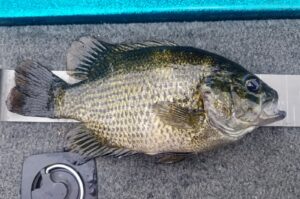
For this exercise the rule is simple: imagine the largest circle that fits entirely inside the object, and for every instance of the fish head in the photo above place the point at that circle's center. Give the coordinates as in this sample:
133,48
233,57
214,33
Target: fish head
237,101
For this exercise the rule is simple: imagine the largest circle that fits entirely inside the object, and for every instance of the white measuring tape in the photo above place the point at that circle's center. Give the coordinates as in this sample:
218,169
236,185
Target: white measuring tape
287,86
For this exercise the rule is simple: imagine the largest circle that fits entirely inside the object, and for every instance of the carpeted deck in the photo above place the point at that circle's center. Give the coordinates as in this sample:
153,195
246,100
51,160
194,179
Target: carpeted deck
265,164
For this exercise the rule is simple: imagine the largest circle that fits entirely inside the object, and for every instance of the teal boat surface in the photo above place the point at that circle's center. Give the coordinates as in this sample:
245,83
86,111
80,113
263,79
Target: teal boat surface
14,12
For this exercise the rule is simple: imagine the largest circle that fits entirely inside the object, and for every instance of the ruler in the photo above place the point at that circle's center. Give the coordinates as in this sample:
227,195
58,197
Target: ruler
287,86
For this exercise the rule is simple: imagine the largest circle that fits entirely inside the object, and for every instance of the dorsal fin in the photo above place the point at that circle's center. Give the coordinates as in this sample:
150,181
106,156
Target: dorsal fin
83,141
87,57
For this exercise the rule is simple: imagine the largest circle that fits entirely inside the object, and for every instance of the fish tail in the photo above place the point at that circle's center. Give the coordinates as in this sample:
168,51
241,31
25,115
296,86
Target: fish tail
35,90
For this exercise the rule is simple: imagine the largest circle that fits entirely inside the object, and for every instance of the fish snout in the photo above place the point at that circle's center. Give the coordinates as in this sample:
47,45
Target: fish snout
270,112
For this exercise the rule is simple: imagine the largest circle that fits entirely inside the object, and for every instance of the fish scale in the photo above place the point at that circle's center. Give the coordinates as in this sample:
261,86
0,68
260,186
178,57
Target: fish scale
131,123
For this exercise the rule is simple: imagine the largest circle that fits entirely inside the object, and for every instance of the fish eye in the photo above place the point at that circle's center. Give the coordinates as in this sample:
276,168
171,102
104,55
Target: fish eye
252,84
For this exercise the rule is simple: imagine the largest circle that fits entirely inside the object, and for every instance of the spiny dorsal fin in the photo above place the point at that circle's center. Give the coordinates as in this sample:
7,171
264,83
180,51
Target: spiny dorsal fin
178,116
83,141
87,57
135,46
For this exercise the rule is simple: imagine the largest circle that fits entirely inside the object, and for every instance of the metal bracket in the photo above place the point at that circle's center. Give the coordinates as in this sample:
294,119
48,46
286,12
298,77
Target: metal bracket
57,176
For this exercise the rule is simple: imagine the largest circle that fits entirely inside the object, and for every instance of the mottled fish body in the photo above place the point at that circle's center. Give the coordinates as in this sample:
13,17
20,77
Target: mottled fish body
151,97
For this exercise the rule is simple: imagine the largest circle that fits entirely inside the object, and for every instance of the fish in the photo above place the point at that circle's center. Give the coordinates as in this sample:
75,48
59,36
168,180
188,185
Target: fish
153,97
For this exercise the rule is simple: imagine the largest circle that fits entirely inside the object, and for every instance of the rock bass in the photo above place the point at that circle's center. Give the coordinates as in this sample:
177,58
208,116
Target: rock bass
151,97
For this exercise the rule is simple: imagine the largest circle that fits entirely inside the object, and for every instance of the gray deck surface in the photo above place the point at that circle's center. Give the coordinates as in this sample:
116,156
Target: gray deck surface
265,164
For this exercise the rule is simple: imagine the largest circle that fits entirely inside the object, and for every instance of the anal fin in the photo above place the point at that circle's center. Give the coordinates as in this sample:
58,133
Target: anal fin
83,141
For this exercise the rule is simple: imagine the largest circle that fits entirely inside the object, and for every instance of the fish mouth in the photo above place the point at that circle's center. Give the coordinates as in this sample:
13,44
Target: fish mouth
271,113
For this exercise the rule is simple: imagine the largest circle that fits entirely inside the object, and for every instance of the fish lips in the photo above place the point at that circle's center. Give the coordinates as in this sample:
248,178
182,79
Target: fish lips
271,113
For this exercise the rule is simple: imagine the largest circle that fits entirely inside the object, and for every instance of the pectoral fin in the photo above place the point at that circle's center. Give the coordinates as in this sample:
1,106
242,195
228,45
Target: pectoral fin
178,116
171,158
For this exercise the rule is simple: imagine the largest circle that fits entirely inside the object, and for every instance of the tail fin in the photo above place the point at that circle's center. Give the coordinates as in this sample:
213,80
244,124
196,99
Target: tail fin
35,90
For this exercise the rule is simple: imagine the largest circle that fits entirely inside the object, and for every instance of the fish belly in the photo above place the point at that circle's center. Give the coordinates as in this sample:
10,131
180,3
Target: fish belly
119,109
